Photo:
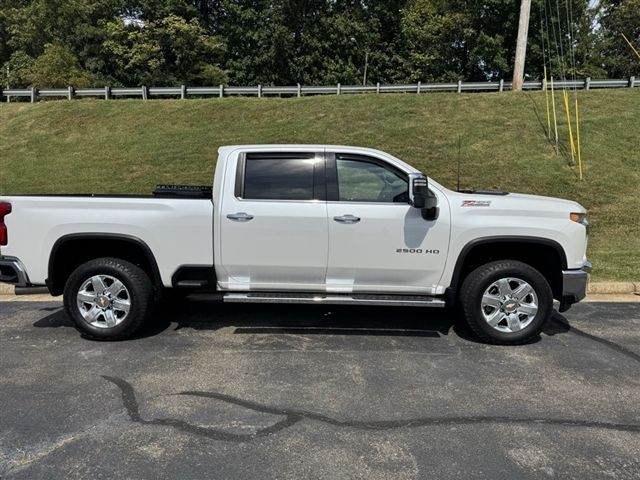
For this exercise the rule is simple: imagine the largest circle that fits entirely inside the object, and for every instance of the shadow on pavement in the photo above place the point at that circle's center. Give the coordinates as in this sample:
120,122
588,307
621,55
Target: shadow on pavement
203,313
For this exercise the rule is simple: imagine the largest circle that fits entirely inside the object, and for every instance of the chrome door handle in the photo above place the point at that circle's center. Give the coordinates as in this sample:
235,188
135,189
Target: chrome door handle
240,217
347,219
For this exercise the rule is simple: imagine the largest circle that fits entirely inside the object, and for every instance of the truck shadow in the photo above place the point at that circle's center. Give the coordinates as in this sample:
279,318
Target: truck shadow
202,313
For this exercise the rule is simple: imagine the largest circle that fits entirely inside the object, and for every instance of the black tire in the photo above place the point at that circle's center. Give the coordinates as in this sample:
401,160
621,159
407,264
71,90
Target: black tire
139,293
484,277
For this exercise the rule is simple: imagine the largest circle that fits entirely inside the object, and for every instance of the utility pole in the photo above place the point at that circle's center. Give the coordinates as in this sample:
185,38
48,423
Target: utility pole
366,61
521,45
366,64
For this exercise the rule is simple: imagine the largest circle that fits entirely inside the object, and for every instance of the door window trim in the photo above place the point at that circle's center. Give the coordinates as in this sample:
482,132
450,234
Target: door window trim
333,187
319,175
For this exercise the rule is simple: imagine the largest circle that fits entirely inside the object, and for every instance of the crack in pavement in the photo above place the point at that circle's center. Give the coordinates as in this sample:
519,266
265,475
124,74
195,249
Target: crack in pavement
21,458
293,416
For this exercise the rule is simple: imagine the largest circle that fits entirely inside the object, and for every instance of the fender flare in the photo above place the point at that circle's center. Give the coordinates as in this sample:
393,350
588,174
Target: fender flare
464,253
157,279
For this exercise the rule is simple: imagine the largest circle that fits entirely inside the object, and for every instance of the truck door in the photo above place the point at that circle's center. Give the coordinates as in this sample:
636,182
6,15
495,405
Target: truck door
377,241
273,222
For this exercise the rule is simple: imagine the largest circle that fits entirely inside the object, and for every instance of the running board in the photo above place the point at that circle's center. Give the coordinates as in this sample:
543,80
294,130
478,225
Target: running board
328,299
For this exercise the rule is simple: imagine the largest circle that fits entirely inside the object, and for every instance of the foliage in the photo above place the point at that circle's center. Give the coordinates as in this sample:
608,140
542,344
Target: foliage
163,52
618,18
451,41
15,69
569,31
153,42
57,67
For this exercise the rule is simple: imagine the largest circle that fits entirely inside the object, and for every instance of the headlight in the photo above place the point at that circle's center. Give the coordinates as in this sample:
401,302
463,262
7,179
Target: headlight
580,218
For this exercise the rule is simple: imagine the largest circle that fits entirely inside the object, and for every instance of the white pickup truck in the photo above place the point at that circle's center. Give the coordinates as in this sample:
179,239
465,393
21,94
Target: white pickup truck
302,224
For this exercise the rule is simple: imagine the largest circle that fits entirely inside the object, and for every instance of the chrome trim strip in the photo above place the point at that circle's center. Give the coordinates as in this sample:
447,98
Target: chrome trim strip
266,200
331,300
349,202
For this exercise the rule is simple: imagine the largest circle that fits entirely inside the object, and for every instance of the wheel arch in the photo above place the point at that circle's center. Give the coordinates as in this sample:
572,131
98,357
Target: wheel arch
544,254
70,251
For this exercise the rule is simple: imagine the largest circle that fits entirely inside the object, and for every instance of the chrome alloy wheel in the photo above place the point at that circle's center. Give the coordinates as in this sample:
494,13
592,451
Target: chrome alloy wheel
509,304
103,301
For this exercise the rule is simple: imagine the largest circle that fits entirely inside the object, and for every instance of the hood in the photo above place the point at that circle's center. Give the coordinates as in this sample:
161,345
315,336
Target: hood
504,203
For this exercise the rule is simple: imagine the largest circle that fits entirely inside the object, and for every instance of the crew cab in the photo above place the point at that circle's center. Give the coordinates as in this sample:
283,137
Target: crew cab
302,224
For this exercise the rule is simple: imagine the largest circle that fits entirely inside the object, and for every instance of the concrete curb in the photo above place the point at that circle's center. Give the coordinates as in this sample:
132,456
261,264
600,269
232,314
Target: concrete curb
613,288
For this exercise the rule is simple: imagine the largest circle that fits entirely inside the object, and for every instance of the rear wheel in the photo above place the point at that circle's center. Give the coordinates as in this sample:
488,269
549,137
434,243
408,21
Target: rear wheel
506,302
108,298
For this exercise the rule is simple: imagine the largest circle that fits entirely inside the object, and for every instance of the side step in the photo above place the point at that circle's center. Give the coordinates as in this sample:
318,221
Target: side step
335,299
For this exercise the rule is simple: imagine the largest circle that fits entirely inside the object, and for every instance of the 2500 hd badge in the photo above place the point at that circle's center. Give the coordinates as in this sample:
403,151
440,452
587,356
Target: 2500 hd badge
416,250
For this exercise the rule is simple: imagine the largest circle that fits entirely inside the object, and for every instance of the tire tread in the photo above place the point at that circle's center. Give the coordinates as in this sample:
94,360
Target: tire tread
474,282
140,287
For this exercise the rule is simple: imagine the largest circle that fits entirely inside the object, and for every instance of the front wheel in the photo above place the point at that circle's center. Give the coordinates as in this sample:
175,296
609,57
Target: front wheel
506,302
108,298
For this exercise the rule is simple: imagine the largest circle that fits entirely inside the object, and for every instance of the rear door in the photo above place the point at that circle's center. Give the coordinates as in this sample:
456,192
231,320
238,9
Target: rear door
377,241
274,222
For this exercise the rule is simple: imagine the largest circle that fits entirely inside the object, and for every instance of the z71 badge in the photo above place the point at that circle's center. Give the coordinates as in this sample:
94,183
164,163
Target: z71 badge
476,203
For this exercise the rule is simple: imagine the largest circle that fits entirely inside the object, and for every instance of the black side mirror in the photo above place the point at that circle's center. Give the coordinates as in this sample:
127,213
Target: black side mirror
421,197
418,190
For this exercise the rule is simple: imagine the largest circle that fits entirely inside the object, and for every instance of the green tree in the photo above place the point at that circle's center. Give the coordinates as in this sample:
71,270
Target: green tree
154,42
14,71
309,41
620,17
567,31
72,24
458,40
472,40
57,67
167,51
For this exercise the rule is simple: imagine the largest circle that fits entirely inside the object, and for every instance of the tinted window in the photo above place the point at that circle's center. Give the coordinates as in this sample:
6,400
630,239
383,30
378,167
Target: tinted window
278,178
361,181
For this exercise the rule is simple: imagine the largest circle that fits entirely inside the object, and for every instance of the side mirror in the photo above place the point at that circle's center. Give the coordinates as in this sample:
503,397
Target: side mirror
421,197
418,190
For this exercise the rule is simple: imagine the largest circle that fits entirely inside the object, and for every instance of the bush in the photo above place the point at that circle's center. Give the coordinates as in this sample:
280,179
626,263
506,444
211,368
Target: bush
14,71
57,67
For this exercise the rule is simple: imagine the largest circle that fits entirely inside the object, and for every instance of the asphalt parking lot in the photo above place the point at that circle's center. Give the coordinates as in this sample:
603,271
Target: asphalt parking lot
292,392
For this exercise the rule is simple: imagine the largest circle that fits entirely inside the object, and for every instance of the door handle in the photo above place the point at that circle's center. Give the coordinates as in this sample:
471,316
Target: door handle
347,219
240,217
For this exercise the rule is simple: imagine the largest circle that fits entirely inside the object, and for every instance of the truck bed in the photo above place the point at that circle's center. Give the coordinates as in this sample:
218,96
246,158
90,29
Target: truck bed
176,227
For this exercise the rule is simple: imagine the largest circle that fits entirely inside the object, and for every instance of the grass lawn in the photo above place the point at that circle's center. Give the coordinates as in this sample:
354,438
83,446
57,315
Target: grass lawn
128,146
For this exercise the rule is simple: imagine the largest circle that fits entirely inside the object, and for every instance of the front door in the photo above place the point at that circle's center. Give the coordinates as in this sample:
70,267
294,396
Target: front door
378,243
274,223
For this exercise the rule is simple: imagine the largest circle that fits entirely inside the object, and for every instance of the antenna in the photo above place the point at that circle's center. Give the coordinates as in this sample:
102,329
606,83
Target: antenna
459,148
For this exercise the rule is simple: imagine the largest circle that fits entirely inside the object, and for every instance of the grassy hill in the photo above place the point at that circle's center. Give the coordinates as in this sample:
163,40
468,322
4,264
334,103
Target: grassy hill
129,145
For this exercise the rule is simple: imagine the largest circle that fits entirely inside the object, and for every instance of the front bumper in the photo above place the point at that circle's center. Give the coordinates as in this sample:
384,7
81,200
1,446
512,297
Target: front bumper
574,286
12,271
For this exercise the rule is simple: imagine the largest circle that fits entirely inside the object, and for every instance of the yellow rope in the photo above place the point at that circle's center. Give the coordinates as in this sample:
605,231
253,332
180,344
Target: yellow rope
578,140
568,113
632,47
546,98
555,118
